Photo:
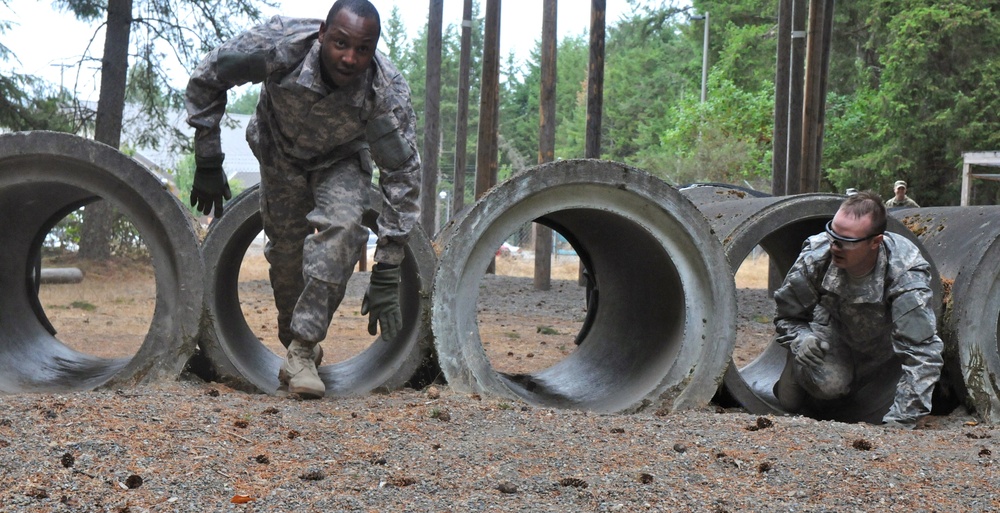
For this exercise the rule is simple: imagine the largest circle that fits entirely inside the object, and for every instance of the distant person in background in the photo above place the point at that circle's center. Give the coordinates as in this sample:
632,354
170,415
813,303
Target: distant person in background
900,199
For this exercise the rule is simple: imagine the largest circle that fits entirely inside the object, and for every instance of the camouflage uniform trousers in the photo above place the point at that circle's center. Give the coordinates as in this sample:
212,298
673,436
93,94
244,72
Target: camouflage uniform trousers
314,239
844,370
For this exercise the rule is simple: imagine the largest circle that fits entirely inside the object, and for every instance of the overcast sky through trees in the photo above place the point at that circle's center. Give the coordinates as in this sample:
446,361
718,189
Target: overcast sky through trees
48,43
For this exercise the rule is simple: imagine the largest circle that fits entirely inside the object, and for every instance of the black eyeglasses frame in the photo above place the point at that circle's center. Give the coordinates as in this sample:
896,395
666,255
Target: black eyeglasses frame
840,238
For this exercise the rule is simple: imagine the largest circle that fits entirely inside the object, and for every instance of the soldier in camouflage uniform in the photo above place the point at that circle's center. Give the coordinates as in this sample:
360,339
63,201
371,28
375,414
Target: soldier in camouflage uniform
900,199
856,302
329,105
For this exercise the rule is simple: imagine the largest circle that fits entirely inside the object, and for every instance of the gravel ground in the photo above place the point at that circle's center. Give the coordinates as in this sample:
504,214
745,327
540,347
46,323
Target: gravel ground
195,446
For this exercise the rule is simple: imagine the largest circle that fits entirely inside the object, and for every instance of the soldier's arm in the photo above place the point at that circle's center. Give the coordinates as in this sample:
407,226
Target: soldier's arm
392,137
798,295
915,340
248,57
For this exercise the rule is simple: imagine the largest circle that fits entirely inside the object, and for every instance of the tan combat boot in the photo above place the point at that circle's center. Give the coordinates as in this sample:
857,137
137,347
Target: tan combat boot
298,373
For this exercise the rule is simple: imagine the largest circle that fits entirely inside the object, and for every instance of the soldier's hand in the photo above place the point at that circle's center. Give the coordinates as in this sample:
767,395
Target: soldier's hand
809,349
209,188
382,301
785,340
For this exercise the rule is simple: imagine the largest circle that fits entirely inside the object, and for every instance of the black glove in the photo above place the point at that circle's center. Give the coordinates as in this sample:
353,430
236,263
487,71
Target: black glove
210,186
382,300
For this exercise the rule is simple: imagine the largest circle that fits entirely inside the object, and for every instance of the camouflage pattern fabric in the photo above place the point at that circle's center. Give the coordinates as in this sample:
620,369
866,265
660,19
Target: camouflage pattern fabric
882,319
317,148
907,202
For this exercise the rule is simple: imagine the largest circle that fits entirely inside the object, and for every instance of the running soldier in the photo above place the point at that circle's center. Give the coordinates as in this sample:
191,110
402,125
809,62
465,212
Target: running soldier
329,105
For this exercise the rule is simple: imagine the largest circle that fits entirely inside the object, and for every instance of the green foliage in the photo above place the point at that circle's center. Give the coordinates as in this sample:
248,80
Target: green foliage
726,139
649,67
189,29
26,103
125,240
394,35
246,103
412,63
521,101
930,94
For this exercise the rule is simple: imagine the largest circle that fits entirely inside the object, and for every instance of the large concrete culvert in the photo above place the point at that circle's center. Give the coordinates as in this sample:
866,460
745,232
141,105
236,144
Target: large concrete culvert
965,245
664,328
43,177
239,357
779,225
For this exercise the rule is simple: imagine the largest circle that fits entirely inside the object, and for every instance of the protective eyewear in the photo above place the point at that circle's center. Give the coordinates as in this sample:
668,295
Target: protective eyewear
845,243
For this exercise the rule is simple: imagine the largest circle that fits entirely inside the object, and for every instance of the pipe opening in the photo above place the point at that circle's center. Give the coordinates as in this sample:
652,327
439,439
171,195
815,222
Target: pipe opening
354,361
664,325
641,301
108,312
52,338
754,306
523,342
766,360
348,336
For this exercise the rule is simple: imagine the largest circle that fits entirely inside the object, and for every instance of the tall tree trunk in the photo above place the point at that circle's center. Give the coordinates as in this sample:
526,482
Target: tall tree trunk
99,217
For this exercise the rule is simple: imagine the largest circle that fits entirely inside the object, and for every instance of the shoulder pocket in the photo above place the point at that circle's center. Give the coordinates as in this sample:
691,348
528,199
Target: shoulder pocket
388,145
913,319
241,67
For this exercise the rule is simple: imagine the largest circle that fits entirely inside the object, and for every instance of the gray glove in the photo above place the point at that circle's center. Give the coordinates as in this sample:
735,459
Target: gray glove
382,300
807,349
210,187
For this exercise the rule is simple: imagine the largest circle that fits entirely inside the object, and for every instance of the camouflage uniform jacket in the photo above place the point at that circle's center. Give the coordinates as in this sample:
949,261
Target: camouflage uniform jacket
907,202
890,313
301,120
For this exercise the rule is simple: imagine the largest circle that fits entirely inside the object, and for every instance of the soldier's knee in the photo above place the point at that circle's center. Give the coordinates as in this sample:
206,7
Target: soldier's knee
826,384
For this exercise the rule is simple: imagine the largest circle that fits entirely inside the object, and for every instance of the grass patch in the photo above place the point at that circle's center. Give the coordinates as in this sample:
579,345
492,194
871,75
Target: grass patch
83,305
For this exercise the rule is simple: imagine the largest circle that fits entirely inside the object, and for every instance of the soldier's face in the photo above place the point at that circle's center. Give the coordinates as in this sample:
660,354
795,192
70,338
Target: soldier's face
347,46
858,257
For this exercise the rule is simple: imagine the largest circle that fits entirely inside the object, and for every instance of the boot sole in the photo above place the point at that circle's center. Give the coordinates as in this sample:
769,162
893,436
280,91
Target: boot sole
306,393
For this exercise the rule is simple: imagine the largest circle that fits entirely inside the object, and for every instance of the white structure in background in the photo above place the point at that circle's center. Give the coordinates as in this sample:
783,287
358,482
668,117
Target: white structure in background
982,158
240,163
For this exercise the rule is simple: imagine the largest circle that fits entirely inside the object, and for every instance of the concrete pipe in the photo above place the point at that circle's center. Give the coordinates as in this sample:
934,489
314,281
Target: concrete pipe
44,176
241,359
965,244
666,322
779,225
710,192
60,275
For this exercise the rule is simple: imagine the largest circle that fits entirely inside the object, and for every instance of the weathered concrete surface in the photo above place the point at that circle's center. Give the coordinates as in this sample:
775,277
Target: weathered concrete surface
238,356
965,244
43,177
664,329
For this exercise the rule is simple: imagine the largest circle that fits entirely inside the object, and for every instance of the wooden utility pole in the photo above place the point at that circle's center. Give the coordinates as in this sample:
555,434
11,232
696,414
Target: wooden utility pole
546,136
595,79
489,102
823,84
489,106
779,155
812,114
793,169
462,115
432,120
595,92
